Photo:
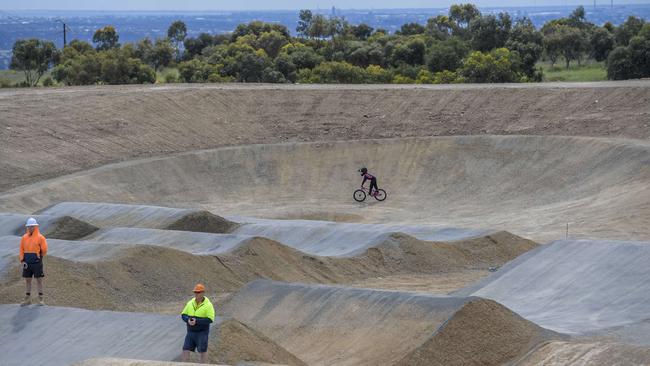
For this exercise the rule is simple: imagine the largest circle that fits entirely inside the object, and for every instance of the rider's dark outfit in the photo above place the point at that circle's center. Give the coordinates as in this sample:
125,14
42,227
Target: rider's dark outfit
373,181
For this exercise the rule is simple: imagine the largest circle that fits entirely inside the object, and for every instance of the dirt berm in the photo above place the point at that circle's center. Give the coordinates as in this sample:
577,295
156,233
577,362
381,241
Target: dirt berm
115,277
77,128
577,287
529,185
337,325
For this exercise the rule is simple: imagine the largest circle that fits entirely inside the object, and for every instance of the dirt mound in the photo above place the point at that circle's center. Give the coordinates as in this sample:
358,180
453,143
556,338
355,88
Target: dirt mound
52,226
137,274
482,332
203,221
144,274
406,252
141,216
237,343
264,258
69,228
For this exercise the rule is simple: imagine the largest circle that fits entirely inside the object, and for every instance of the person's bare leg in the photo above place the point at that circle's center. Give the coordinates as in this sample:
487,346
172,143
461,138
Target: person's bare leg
28,290
204,357
186,356
39,286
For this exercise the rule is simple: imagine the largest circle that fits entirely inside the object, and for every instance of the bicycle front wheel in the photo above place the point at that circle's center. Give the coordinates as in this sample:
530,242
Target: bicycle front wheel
381,195
359,195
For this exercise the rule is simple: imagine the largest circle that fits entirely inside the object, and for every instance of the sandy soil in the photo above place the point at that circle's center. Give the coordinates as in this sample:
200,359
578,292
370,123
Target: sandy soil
84,127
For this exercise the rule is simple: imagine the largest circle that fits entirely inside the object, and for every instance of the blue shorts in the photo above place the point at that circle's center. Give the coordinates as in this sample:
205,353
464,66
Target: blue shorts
196,340
33,270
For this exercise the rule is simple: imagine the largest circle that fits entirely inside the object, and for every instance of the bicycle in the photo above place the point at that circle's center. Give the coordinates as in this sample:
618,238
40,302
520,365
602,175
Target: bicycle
360,194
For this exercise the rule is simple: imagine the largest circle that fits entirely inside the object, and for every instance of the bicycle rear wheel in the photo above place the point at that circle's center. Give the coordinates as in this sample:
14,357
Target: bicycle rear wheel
381,195
359,195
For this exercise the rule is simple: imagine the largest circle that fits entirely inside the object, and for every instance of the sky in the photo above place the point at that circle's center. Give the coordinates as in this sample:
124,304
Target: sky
189,5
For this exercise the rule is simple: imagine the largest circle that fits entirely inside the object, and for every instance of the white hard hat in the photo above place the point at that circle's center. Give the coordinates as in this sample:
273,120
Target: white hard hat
31,222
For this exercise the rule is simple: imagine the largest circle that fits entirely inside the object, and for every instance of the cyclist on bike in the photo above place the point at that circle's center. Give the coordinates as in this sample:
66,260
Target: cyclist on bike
373,181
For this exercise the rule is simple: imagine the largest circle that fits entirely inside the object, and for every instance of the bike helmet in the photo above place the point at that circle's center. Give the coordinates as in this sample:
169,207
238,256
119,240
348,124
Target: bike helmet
363,170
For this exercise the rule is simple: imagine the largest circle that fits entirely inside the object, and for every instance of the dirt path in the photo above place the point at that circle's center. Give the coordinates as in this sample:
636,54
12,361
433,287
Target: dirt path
51,132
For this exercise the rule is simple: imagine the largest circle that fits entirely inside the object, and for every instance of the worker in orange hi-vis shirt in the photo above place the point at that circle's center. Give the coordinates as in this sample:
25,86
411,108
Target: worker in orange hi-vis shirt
33,248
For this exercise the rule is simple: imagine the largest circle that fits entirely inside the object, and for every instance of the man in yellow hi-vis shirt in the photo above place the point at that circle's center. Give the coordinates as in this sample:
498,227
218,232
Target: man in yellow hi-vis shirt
198,314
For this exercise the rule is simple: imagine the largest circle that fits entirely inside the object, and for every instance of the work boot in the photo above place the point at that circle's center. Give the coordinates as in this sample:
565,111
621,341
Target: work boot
26,301
40,300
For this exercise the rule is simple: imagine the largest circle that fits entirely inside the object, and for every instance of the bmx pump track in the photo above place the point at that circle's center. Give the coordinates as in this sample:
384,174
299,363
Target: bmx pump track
516,229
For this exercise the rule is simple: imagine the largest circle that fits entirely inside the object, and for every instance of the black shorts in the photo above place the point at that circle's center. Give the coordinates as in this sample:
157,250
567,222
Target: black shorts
33,270
196,340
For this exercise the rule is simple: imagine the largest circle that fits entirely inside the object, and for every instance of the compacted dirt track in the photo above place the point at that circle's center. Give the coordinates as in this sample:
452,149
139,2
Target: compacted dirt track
531,186
51,132
257,185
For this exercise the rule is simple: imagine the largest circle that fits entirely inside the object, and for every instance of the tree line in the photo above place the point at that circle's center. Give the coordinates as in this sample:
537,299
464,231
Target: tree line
462,46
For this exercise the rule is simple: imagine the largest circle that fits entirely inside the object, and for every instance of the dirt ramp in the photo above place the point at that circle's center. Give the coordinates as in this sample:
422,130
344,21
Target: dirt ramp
237,343
130,268
408,253
336,239
123,215
482,332
66,335
342,326
103,275
122,277
576,286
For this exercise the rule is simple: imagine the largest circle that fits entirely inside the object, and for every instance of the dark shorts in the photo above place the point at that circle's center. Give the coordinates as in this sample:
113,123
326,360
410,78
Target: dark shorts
33,270
196,340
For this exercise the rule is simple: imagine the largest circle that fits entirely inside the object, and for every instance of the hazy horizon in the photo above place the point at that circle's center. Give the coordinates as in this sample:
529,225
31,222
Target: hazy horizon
258,5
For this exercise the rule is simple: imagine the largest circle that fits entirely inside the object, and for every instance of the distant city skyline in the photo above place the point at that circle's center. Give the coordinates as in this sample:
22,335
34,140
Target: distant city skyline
193,5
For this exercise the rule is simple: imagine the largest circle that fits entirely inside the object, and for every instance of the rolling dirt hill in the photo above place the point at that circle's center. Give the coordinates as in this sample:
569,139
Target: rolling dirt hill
46,133
113,276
